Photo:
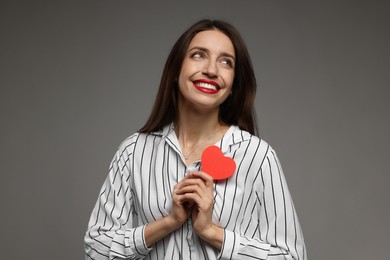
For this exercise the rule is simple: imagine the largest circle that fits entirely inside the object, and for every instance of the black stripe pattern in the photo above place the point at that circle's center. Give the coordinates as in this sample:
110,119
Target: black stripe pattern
253,206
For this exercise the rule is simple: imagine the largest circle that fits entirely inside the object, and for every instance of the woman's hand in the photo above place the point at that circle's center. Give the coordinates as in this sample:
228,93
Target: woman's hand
180,209
160,228
197,190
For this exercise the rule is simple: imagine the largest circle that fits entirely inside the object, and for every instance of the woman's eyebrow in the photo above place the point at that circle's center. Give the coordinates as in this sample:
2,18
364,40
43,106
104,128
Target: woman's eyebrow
226,54
198,48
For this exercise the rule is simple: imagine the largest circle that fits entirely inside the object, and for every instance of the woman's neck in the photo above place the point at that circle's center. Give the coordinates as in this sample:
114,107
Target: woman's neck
194,126
196,131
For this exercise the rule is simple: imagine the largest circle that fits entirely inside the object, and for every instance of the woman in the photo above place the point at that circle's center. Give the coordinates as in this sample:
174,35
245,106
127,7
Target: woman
157,203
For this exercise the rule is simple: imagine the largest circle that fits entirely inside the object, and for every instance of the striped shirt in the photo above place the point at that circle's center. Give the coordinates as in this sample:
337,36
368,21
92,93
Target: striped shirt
253,206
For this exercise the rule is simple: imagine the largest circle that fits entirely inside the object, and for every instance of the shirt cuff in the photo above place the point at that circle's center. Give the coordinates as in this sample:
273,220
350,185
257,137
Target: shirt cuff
230,245
134,243
235,246
140,242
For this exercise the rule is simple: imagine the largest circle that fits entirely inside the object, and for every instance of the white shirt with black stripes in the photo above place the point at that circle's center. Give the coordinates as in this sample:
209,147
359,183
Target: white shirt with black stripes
253,206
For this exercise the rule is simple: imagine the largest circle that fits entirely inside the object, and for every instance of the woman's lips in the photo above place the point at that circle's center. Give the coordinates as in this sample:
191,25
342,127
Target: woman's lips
207,86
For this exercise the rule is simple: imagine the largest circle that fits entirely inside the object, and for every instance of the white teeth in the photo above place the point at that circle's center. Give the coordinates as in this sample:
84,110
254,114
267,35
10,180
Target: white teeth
206,85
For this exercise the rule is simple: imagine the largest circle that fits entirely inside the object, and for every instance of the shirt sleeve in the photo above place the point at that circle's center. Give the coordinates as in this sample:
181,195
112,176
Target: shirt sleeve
111,233
278,235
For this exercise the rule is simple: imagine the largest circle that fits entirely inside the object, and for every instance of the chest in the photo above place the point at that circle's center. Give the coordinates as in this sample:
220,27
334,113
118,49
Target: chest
154,174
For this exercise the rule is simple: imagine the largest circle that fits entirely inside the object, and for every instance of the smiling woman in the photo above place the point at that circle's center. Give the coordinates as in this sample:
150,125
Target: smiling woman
207,72
157,201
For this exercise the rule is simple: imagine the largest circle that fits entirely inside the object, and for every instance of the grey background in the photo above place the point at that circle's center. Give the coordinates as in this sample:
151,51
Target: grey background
77,77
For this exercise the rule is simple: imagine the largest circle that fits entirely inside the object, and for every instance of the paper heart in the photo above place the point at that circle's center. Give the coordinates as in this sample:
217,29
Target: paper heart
216,164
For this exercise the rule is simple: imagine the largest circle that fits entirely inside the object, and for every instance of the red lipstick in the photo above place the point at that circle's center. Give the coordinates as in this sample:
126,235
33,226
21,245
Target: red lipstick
207,86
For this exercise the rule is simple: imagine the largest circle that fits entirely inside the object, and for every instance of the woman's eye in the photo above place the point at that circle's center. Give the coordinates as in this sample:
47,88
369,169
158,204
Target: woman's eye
197,55
227,62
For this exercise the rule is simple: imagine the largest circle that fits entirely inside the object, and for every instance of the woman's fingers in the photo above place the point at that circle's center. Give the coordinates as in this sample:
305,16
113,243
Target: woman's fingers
191,183
197,178
197,188
207,179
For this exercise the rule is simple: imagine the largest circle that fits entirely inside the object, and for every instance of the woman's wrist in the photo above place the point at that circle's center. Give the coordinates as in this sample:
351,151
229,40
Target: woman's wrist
159,229
214,235
172,223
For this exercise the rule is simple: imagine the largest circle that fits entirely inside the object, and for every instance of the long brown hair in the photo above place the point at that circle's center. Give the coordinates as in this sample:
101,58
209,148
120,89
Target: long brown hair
237,109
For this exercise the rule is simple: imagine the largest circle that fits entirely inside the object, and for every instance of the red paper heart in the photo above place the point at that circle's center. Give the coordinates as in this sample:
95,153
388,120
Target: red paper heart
216,164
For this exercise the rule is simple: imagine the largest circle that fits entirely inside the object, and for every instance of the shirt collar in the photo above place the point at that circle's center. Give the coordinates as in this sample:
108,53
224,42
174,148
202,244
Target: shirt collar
167,134
233,136
165,131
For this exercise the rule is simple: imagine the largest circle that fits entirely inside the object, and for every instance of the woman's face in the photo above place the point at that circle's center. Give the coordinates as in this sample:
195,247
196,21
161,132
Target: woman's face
207,73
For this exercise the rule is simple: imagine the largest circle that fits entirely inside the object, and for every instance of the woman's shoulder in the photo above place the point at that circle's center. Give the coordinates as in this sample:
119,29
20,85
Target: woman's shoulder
131,141
128,143
240,135
251,142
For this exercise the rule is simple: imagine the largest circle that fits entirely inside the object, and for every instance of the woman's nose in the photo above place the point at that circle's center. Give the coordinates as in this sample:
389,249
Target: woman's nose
210,69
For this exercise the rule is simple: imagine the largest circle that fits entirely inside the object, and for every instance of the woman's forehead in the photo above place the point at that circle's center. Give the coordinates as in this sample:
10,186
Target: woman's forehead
212,40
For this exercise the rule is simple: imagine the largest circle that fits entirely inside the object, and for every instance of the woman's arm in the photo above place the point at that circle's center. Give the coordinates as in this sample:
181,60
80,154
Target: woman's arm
111,231
278,222
278,232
